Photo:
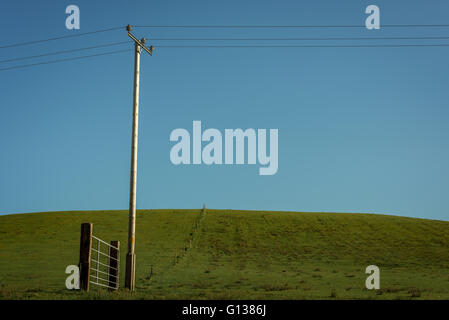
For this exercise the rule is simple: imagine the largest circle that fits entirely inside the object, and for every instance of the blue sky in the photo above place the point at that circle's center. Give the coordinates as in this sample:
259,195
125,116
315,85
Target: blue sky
360,129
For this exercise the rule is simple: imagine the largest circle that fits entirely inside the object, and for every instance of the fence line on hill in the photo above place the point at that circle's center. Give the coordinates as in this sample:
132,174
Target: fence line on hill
192,236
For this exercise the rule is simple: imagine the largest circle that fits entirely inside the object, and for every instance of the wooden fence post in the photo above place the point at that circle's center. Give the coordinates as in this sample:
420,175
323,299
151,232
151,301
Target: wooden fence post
85,252
114,265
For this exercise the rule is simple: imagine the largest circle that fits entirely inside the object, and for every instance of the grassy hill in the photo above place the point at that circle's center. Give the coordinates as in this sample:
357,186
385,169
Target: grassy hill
234,255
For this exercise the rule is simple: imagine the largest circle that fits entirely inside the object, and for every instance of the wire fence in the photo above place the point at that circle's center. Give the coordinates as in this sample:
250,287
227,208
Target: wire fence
105,264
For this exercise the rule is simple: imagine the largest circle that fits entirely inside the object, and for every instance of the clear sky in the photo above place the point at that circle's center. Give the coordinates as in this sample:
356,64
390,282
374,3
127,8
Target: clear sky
360,129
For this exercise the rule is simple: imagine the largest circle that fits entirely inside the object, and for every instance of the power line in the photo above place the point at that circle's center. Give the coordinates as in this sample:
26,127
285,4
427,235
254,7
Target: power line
66,51
64,60
231,46
220,27
286,26
58,38
221,39
307,46
300,39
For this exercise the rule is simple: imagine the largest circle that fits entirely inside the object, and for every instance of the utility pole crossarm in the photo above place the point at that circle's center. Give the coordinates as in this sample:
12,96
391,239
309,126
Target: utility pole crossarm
140,42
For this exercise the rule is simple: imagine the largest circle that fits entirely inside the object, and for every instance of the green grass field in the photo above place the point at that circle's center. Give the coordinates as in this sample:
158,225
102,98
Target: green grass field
234,255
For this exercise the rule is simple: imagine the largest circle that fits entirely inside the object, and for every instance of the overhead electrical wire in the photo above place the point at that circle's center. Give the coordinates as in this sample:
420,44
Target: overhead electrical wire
219,27
307,46
58,38
232,46
286,26
220,39
277,39
66,51
300,39
66,59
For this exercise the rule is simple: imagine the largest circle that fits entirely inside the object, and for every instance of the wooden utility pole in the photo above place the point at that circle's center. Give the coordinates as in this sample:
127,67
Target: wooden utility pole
131,256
